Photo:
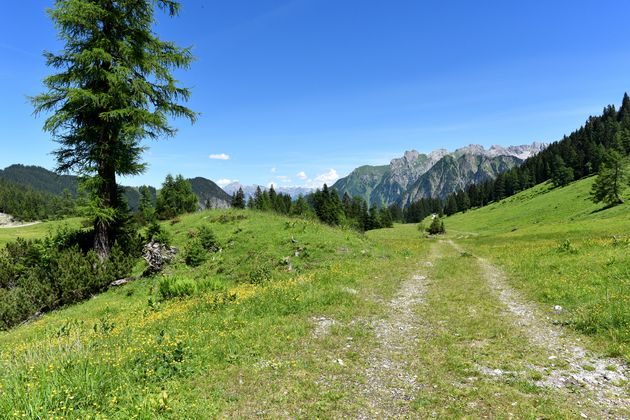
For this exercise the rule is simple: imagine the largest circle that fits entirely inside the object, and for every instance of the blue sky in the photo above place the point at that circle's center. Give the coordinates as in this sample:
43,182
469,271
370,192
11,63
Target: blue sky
297,92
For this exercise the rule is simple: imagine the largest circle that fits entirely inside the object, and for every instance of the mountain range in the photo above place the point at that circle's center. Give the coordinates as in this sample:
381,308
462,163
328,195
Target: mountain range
249,190
406,179
416,175
41,179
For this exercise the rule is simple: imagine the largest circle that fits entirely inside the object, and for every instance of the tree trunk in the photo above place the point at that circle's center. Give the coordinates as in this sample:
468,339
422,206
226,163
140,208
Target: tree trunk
101,240
108,193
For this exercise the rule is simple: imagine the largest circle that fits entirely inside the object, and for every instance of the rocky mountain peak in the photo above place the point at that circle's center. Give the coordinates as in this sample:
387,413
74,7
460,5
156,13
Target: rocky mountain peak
437,154
415,175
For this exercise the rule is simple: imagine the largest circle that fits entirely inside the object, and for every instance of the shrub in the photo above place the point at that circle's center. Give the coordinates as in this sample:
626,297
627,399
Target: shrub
44,274
156,233
175,286
566,247
260,274
207,239
436,227
194,253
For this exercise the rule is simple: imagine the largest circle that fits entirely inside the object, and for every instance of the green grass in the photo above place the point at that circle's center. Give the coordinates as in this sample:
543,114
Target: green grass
233,337
38,230
127,352
560,248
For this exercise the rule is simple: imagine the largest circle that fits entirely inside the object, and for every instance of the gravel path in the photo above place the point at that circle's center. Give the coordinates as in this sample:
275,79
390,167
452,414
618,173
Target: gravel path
603,379
389,387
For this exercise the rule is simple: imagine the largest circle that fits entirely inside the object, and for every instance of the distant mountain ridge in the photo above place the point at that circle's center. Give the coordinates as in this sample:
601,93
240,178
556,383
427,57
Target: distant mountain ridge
209,194
42,179
39,178
249,190
416,175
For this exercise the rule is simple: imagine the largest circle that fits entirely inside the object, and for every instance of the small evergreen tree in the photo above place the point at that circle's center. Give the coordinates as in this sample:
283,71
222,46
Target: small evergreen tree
273,198
146,210
373,221
385,218
611,180
238,200
300,207
436,227
396,212
176,197
328,207
451,205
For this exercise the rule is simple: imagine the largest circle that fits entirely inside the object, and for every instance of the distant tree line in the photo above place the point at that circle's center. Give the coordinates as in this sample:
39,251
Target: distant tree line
324,204
27,204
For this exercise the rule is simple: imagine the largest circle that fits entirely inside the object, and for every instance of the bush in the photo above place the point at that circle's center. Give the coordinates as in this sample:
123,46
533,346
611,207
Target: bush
156,233
436,227
566,247
207,239
45,274
194,253
260,274
170,287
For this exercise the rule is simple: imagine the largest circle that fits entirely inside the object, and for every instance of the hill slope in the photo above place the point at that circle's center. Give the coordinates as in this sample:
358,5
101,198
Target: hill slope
296,319
209,194
560,249
41,179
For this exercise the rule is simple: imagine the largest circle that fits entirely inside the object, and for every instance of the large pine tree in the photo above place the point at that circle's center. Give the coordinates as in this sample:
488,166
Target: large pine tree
113,89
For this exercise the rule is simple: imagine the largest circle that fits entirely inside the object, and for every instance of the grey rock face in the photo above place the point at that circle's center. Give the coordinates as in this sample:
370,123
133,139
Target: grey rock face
416,175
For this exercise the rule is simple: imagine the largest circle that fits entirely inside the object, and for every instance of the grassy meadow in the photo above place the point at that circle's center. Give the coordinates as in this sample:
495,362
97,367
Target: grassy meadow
283,321
38,230
559,248
128,353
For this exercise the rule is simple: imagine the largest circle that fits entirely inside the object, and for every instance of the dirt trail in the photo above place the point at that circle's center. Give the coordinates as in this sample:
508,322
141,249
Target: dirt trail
604,379
389,387
7,221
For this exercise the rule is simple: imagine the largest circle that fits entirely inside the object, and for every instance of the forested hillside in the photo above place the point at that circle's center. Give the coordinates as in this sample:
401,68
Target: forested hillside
27,204
48,186
580,154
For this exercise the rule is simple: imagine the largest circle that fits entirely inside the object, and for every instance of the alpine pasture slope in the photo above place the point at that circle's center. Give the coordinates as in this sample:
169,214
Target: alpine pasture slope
296,319
561,249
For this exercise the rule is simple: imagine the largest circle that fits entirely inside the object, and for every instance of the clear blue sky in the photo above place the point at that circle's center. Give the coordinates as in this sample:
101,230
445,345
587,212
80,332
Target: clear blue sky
321,86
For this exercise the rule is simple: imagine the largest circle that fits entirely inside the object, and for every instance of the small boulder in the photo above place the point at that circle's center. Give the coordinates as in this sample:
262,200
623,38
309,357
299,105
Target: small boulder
156,255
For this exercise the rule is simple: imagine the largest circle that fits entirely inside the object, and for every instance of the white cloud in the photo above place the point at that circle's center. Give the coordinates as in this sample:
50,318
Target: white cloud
220,156
223,182
273,170
327,178
302,175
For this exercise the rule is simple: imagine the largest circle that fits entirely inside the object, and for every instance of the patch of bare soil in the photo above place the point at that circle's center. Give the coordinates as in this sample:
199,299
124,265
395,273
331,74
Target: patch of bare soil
604,380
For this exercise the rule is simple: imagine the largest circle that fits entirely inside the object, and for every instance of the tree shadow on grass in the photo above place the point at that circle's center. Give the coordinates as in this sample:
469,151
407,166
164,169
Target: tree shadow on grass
609,206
